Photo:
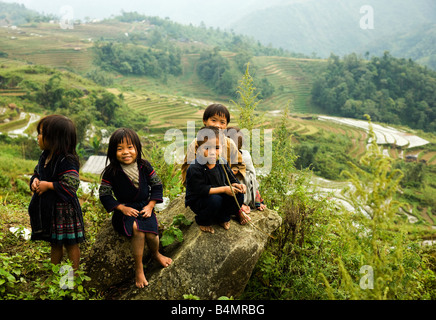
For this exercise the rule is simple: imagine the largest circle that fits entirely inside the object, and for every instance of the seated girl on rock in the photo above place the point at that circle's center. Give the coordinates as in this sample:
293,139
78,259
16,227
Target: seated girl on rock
130,188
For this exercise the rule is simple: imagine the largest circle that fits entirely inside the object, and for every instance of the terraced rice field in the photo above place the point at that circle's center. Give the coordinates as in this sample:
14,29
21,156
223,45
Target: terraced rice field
165,112
292,79
47,45
12,92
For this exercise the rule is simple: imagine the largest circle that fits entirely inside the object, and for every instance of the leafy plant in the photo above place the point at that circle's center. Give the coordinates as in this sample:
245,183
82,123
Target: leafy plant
173,233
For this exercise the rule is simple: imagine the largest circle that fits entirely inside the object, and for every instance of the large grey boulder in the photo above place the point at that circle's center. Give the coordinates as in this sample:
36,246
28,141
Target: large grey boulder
205,265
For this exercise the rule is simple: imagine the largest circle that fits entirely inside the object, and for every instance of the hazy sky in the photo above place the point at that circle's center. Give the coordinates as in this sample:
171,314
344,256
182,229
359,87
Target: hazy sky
212,12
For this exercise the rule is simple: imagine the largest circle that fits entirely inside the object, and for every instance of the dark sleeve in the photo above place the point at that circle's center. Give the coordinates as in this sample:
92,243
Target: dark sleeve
106,194
68,180
155,184
195,181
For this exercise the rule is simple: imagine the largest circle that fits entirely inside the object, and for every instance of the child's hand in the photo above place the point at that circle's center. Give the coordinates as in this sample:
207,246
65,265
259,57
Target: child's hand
239,187
243,188
35,184
147,210
128,211
44,186
228,191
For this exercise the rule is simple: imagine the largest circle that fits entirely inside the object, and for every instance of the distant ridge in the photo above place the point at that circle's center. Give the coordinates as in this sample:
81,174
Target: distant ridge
323,27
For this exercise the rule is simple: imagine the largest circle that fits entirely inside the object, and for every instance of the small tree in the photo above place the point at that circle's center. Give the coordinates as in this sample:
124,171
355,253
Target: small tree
276,185
247,102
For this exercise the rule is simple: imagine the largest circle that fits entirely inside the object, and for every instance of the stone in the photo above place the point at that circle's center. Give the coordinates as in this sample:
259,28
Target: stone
205,265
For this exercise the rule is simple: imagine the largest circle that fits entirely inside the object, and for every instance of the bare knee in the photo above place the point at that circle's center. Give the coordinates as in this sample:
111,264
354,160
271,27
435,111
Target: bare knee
136,231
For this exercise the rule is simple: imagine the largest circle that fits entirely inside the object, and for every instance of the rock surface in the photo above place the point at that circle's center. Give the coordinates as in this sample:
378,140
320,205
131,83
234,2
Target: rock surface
206,265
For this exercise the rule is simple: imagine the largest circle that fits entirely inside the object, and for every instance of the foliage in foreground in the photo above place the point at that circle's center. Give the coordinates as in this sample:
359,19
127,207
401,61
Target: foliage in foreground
324,252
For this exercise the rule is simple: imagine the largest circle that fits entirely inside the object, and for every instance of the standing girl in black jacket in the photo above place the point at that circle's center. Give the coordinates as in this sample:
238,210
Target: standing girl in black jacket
55,213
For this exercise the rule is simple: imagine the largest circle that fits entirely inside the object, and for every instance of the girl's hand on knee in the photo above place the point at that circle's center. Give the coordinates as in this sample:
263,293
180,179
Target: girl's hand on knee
128,211
148,209
146,212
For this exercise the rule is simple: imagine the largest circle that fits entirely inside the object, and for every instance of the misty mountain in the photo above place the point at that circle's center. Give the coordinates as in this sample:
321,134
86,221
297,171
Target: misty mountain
333,26
13,13
215,13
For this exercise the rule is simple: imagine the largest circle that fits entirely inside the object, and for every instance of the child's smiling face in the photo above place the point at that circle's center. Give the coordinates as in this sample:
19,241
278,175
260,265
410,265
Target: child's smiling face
126,152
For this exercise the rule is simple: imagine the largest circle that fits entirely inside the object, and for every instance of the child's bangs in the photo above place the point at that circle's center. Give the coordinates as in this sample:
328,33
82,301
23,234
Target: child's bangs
124,135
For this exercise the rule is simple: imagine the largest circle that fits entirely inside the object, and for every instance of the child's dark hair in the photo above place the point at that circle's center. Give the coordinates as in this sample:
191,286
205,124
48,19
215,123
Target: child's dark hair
120,135
236,135
218,109
205,133
59,134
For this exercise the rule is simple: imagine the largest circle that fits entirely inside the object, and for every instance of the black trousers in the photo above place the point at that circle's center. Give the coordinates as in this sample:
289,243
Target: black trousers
215,208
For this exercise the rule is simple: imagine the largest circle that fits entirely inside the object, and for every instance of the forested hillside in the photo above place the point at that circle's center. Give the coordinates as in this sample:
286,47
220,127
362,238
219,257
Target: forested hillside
391,90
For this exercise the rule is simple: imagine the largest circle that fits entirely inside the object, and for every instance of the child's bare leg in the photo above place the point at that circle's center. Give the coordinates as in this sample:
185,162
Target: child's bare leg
153,245
137,243
56,253
74,255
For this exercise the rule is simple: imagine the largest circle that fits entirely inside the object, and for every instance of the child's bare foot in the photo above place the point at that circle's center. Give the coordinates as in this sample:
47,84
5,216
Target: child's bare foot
164,261
207,229
243,217
261,207
246,208
140,280
225,225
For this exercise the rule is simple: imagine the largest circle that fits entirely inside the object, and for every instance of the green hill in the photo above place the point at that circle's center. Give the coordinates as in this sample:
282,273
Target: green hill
47,44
